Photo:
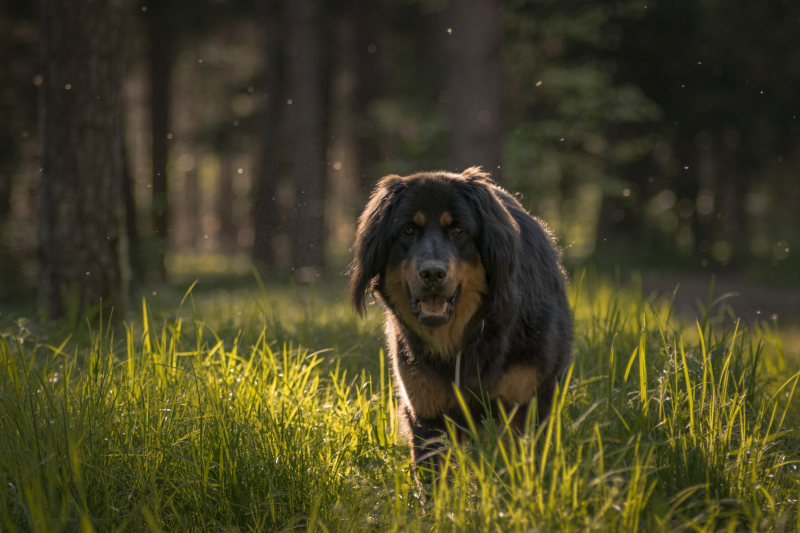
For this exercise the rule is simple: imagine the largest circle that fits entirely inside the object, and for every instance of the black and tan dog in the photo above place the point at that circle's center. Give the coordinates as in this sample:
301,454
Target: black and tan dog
473,292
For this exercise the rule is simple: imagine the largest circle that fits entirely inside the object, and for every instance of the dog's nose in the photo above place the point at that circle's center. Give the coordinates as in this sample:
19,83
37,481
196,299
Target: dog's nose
432,272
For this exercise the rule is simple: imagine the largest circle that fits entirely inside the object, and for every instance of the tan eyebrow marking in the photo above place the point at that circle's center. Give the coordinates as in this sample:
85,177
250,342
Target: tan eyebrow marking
446,218
419,218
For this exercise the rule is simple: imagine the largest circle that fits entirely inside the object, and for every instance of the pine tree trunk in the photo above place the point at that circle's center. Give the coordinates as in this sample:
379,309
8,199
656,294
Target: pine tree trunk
193,206
474,82
227,238
82,163
366,18
131,225
306,127
266,216
160,70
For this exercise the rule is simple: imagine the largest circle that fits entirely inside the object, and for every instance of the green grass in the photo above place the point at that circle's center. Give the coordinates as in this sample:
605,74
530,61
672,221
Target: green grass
266,407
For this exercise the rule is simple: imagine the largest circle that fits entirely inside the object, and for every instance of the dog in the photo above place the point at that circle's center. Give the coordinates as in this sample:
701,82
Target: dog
474,297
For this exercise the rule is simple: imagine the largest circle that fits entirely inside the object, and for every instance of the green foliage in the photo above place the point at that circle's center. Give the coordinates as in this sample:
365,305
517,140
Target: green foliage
573,127
213,417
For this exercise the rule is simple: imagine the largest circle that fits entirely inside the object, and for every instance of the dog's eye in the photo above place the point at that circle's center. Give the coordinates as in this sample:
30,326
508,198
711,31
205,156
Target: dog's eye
455,230
410,230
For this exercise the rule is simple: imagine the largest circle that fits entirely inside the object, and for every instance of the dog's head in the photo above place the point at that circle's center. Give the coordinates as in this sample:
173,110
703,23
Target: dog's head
435,247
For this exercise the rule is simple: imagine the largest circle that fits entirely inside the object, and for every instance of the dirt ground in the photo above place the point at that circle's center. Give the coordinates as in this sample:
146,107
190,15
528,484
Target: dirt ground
750,301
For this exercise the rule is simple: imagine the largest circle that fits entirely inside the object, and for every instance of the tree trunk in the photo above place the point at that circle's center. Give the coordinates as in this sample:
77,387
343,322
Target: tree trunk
131,226
266,214
82,164
306,127
7,171
193,206
227,240
474,82
160,69
366,18
621,222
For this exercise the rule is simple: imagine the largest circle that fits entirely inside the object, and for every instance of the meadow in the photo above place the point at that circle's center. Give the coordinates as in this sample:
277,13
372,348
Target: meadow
257,405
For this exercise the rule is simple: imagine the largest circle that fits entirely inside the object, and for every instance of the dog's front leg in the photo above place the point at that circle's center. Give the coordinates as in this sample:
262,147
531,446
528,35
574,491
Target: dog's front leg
428,441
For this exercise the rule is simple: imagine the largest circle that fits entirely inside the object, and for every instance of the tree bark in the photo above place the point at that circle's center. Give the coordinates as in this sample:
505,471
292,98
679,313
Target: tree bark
227,234
131,226
306,134
193,207
474,82
366,18
266,215
160,70
82,163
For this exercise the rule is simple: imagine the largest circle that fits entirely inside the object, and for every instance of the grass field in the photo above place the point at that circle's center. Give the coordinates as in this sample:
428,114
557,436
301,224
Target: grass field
260,406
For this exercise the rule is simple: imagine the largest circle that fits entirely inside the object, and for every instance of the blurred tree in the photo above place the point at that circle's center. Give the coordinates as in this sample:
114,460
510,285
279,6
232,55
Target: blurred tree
306,123
137,266
82,164
663,128
265,205
161,56
473,83
574,132
726,76
17,98
18,65
409,116
224,204
193,207
365,38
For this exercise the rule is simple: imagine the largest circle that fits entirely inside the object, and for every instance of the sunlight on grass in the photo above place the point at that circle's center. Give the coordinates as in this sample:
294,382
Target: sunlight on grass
263,407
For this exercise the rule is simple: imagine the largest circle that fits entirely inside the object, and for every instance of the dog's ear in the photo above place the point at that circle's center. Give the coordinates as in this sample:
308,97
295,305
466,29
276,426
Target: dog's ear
373,238
498,237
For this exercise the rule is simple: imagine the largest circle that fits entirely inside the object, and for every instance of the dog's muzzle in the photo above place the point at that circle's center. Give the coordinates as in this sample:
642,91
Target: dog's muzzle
434,309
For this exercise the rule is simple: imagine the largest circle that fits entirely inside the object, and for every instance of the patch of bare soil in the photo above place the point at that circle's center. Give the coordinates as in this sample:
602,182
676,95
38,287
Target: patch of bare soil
750,301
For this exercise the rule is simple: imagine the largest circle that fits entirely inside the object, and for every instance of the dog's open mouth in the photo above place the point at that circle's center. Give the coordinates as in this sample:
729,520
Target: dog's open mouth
434,309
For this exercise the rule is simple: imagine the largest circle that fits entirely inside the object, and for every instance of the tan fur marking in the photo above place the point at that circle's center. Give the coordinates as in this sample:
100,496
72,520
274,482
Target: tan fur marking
516,386
419,218
395,289
445,340
428,395
445,219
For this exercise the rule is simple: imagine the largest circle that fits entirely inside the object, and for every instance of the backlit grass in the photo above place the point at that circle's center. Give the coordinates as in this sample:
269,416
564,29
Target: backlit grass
264,407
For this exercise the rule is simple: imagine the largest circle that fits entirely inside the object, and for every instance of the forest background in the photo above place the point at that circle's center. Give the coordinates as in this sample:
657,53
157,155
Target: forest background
179,184
217,135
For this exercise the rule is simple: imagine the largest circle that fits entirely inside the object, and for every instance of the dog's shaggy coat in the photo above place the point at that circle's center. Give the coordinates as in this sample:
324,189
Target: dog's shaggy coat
473,292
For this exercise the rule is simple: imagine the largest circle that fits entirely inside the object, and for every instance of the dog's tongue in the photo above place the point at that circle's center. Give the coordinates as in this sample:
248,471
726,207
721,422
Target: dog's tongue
433,305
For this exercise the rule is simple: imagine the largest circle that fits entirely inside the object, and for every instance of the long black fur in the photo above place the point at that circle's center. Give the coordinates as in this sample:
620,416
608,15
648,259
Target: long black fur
522,322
